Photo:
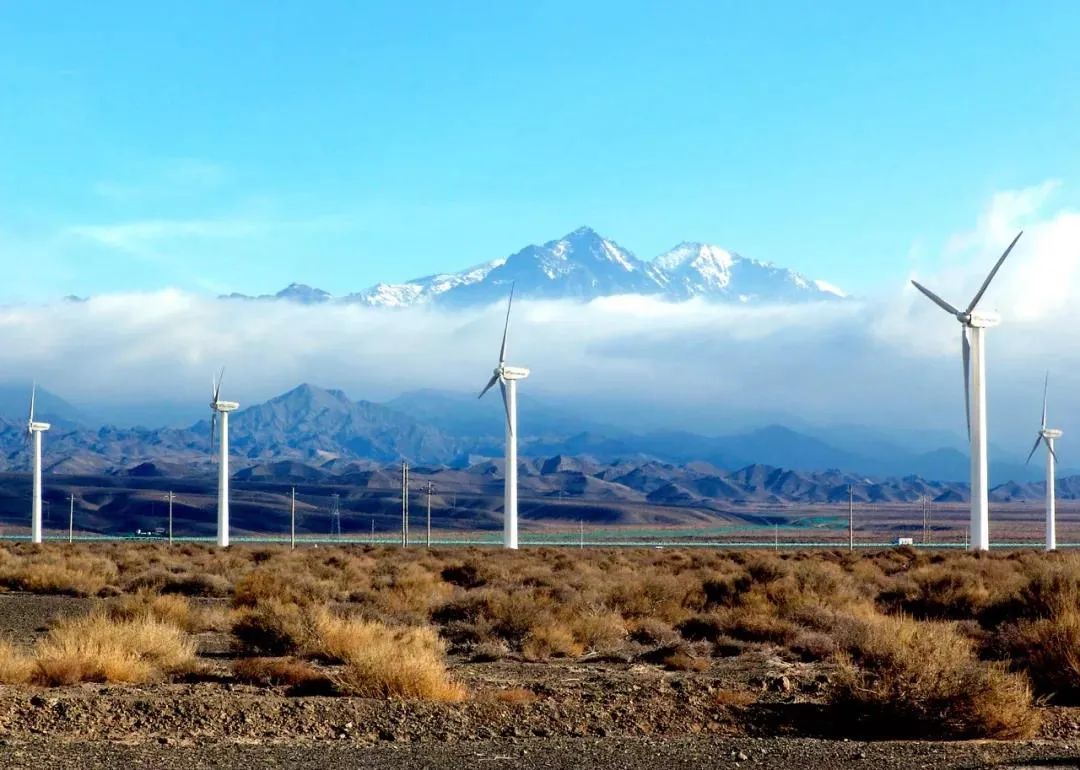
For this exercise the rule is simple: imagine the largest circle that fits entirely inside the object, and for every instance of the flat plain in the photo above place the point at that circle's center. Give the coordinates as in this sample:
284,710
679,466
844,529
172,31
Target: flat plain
188,656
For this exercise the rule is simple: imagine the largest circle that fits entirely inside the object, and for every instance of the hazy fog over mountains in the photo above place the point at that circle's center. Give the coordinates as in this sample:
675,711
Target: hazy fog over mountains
314,433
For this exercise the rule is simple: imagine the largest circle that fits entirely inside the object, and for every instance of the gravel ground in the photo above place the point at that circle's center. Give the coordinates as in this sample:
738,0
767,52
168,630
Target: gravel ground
627,754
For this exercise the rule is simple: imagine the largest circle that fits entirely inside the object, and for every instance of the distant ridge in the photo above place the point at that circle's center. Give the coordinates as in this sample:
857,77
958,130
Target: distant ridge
584,265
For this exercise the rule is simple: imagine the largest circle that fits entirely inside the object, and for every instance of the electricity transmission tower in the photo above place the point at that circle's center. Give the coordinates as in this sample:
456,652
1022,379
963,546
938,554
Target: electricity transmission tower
335,515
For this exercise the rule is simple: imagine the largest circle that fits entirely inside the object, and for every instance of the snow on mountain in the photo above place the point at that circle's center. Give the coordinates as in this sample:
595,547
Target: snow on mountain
584,265
421,290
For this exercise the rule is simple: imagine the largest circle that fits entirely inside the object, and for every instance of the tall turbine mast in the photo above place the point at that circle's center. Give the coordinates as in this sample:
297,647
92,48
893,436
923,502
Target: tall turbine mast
1047,436
220,410
507,376
973,326
33,434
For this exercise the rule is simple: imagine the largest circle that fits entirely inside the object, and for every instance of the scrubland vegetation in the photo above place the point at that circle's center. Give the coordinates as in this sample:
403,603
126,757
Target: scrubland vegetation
911,643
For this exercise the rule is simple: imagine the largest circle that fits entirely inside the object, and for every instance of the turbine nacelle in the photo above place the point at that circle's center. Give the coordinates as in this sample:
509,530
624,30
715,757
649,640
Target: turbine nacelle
224,406
512,372
1051,433
37,427
982,320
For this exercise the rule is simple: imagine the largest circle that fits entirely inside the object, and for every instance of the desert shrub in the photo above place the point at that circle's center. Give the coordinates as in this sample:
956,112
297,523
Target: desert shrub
706,627
598,630
337,639
299,677
268,583
488,652
16,666
726,590
408,592
405,663
723,646
466,575
902,678
98,648
755,625
1048,650
652,631
515,617
47,570
201,584
273,627
676,657
553,640
813,646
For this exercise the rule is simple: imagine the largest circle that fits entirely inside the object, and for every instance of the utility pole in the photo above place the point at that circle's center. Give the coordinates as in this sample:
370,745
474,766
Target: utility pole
850,518
71,520
404,504
170,497
373,531
581,533
776,537
929,519
430,489
292,521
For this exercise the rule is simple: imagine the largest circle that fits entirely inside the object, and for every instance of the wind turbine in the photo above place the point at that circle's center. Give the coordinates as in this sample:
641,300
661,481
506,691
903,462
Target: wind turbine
221,409
973,326
33,434
1047,436
507,377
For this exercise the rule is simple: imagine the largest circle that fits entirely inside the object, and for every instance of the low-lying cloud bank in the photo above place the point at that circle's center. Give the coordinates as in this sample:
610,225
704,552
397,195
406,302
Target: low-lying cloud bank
889,361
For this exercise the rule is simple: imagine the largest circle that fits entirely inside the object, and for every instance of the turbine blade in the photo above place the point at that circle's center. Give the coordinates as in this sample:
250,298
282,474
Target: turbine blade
506,405
966,348
989,278
489,386
213,426
217,385
936,299
33,398
1038,440
1051,449
1046,384
506,327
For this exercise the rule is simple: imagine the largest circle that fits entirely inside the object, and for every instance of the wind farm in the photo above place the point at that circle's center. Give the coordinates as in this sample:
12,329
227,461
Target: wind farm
706,500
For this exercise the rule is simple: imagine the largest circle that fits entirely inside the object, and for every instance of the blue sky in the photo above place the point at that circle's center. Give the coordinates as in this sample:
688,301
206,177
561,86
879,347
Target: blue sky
241,146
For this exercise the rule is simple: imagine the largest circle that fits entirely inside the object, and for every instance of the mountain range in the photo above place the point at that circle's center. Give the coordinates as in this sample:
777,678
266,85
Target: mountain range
584,265
317,427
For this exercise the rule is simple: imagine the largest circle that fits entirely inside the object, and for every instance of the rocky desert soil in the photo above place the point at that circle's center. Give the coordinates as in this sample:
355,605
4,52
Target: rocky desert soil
754,710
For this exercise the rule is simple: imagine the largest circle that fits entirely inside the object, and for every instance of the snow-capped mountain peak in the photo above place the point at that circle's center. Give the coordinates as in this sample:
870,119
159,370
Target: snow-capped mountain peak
584,265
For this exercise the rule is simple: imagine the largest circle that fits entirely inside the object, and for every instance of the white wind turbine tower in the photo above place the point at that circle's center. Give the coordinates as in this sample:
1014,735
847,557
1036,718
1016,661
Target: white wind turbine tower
973,326
507,377
1047,436
33,433
221,409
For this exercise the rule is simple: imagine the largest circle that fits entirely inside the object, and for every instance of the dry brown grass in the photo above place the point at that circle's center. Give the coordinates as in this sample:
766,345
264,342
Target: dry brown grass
15,665
99,648
1048,649
47,571
273,627
385,662
1019,609
551,641
903,678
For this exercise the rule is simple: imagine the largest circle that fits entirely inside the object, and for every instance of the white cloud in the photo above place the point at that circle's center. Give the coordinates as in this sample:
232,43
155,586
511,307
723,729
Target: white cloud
891,361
